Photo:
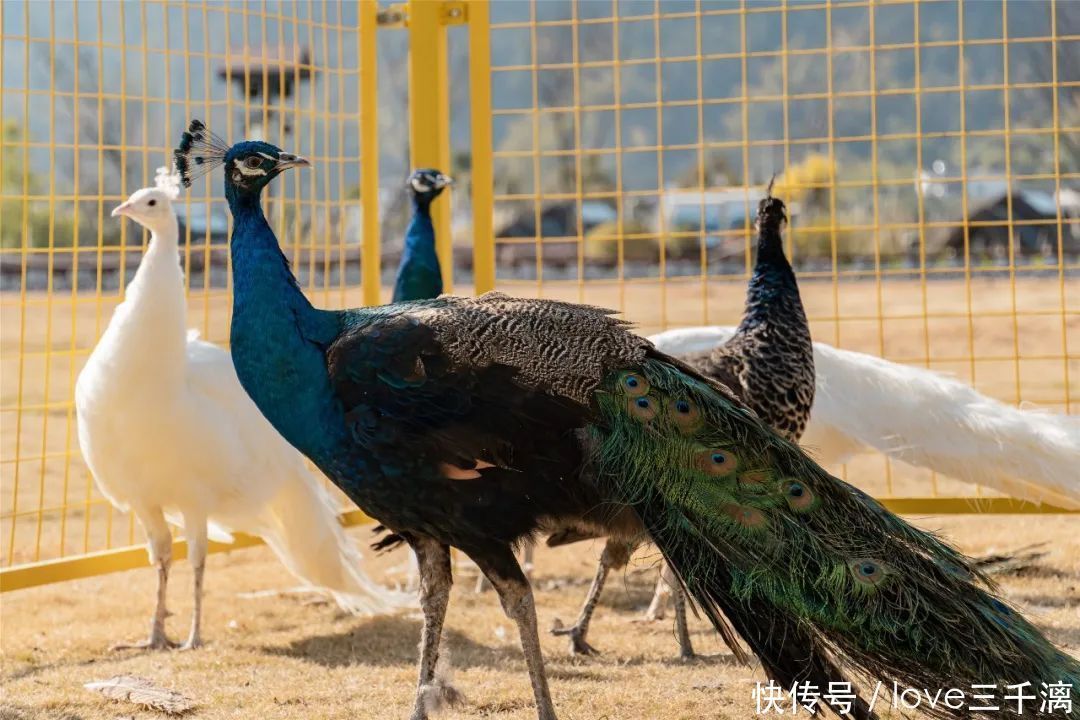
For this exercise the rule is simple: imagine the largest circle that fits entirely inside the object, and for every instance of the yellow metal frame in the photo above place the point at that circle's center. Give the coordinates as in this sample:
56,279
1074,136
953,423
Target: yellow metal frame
30,575
483,179
429,110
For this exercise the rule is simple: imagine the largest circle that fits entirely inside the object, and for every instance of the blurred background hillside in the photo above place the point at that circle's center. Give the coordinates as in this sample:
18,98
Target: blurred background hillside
912,102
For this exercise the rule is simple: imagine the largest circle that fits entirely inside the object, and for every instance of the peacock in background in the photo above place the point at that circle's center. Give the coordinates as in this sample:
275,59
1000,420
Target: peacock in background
168,433
925,419
418,275
478,422
768,362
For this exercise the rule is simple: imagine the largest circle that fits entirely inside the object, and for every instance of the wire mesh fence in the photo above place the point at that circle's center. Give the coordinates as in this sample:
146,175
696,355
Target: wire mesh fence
928,152
95,95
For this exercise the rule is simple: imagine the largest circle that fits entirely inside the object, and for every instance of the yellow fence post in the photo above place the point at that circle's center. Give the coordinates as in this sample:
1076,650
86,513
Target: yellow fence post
429,112
482,184
370,251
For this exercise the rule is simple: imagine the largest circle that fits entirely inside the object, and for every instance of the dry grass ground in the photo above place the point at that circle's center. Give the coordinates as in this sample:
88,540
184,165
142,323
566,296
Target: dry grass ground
278,658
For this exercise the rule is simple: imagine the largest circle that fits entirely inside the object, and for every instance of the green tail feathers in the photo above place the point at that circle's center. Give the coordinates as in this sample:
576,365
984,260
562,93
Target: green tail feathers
808,569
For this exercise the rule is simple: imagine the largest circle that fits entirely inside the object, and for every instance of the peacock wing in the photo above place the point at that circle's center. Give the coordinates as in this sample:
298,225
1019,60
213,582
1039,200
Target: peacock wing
483,441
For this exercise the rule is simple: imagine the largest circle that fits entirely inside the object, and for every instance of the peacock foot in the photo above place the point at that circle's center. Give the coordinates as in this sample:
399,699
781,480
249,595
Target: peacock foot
156,641
193,643
437,696
578,644
651,615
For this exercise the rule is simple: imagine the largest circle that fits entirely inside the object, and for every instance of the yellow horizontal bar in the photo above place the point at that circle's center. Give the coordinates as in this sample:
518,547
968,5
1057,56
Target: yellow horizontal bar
969,506
129,558
119,559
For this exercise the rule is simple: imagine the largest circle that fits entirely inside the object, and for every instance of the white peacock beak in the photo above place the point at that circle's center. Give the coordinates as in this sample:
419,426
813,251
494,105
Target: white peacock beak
123,208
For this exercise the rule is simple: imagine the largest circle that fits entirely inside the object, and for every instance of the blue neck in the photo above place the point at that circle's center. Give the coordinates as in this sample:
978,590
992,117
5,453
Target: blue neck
260,269
419,276
278,338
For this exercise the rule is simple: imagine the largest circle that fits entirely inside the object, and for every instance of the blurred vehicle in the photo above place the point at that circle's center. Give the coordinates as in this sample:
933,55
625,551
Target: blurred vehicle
717,218
559,227
557,220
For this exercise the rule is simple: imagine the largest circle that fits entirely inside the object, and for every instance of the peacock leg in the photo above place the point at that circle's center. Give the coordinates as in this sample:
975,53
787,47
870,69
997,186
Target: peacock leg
433,559
516,596
527,559
658,606
686,648
159,544
615,556
195,530
482,583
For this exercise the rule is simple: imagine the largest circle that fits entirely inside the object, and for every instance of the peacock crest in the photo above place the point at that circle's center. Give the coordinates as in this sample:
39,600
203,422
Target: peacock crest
199,152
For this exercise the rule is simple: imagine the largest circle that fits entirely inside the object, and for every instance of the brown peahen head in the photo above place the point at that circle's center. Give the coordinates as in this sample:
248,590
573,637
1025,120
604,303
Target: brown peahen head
772,214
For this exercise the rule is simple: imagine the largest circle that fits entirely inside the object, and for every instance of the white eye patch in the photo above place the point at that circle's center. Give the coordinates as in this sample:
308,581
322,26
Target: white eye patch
245,170
419,185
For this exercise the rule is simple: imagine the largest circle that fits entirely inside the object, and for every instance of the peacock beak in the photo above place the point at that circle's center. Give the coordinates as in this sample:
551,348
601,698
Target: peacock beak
123,208
287,160
445,181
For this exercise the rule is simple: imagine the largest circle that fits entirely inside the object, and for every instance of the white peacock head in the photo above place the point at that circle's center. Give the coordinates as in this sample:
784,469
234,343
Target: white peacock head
152,207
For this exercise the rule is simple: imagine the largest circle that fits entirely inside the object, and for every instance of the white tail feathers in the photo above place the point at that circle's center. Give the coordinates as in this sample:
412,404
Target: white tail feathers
302,528
933,421
925,419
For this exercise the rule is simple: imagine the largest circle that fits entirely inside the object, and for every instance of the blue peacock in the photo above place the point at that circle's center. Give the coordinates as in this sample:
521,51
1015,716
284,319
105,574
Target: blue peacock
419,276
477,422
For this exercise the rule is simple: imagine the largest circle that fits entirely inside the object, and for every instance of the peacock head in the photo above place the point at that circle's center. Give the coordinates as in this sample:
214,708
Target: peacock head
249,165
152,207
771,215
427,184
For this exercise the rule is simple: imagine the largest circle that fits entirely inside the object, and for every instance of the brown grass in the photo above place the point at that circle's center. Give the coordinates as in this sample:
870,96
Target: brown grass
278,658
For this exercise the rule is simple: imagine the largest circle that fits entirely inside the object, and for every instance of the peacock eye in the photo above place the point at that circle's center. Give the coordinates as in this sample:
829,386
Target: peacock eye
253,162
152,203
